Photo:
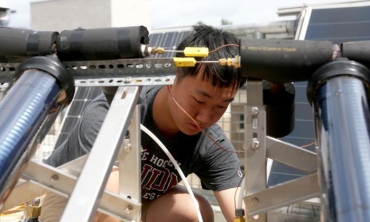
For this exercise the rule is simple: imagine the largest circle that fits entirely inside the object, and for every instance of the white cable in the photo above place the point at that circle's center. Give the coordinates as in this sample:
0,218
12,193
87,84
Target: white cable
177,167
240,196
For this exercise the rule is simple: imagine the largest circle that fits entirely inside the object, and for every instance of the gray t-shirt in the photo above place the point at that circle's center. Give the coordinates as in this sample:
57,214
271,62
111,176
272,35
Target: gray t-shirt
217,169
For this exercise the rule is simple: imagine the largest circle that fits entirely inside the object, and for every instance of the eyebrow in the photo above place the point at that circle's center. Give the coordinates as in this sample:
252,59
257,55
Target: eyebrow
209,96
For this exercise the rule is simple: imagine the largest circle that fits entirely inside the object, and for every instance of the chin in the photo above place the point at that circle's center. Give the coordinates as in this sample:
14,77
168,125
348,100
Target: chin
190,132
193,133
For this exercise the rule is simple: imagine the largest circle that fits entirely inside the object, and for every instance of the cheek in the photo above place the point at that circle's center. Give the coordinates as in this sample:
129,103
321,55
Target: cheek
182,106
217,114
189,106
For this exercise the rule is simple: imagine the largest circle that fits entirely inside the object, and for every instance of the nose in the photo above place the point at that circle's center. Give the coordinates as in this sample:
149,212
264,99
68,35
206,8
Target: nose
204,116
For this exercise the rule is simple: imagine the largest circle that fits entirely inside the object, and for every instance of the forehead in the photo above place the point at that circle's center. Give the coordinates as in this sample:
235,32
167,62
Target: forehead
205,88
216,74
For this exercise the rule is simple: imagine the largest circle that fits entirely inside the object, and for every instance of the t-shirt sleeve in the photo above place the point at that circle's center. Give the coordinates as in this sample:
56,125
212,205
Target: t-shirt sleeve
90,125
219,168
82,138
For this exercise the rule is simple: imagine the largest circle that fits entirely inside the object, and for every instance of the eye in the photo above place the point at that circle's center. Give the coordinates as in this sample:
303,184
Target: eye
198,101
222,107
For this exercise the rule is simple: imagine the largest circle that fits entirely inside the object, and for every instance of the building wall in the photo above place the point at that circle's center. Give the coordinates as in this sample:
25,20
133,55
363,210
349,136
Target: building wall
59,15
128,13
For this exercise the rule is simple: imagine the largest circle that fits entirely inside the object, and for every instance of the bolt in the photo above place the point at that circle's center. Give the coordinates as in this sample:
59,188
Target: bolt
255,201
255,143
54,178
254,110
129,209
128,80
244,146
127,147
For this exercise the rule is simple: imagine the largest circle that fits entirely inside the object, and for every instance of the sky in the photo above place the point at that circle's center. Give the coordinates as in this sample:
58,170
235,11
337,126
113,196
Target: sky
176,13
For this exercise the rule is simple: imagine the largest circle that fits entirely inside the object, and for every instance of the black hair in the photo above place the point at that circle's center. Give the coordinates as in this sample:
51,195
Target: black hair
212,38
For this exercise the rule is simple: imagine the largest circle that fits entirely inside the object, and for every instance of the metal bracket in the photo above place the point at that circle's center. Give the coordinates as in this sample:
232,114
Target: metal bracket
259,199
83,202
282,195
119,72
39,179
255,139
291,155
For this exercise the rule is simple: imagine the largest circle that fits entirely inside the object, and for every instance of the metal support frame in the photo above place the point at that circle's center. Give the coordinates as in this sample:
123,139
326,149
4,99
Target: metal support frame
71,178
255,153
259,199
129,162
83,202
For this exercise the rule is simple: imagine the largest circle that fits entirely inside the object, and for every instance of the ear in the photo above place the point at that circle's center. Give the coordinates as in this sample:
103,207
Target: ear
175,80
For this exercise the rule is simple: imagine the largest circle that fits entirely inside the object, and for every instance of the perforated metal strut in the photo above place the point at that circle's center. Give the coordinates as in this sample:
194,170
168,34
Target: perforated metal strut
119,72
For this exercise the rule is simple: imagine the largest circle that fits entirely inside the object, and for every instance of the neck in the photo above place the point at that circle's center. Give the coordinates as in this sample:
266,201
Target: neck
161,114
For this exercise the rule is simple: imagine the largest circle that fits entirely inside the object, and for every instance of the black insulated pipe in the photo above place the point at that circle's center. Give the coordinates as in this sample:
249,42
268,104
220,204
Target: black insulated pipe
279,102
358,51
283,61
101,44
18,44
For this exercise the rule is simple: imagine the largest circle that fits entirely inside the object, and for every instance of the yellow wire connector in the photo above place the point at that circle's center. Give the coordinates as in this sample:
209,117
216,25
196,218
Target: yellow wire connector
190,62
239,219
196,51
239,215
184,62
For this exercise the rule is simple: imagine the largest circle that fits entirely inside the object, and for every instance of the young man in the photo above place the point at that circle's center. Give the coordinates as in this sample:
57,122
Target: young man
177,114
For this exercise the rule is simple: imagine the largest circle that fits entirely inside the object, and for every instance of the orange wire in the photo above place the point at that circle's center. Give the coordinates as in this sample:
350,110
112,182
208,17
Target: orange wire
222,47
310,144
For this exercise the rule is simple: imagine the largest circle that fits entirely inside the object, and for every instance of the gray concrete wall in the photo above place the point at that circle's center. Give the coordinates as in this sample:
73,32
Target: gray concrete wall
59,15
130,13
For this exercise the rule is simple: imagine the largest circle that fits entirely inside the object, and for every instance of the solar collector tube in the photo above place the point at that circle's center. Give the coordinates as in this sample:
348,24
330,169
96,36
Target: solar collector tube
41,90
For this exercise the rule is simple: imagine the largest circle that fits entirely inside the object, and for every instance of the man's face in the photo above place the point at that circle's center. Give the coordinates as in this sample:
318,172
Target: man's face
202,101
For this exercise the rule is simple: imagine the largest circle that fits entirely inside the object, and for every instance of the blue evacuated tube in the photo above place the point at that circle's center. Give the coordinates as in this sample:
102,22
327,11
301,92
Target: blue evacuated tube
26,112
343,132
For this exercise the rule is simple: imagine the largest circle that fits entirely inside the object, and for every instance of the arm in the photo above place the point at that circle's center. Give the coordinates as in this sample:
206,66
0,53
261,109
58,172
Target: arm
225,199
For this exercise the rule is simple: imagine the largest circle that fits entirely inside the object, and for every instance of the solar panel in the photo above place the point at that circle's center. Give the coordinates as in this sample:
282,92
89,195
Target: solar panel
333,24
84,95
340,24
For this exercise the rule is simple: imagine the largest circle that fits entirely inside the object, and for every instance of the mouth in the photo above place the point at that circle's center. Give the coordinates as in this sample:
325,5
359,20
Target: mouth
195,127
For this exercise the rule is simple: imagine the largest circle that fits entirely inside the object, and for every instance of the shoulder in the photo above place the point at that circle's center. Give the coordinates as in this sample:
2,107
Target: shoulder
218,165
147,95
148,92
219,138
97,107
215,146
94,114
